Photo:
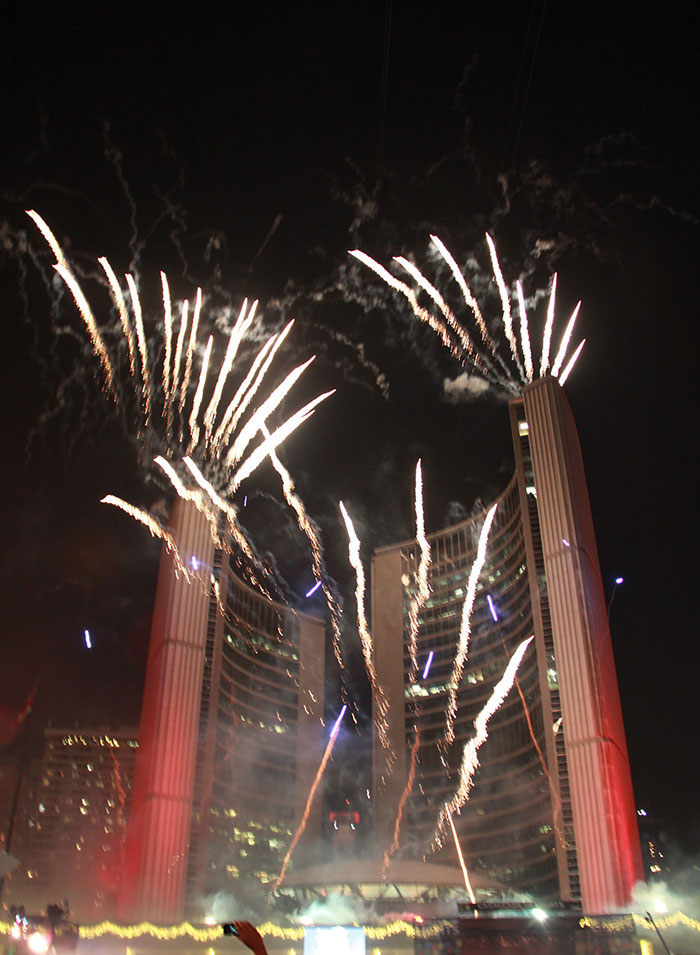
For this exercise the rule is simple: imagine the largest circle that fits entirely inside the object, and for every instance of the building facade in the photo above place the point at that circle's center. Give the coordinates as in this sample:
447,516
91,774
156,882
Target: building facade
71,823
231,735
551,813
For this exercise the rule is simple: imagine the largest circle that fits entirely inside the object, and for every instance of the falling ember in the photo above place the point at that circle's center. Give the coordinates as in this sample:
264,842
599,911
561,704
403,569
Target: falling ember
402,802
365,636
470,758
310,798
462,863
465,628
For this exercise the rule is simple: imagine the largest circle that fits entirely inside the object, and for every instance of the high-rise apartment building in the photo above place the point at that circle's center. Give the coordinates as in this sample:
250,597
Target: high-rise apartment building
551,813
71,822
231,734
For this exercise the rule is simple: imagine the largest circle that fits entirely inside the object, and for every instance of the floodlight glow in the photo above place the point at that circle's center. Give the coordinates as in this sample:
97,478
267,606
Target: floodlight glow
88,642
314,588
660,906
327,940
427,665
540,915
489,600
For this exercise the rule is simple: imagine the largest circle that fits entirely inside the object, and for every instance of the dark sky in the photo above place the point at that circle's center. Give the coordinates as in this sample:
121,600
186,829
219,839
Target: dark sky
179,140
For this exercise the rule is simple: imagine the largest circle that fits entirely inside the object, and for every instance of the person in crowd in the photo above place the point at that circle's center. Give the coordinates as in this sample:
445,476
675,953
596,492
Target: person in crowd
249,935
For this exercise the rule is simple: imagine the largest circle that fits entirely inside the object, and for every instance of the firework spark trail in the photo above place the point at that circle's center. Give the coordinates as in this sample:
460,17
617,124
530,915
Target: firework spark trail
168,354
89,320
197,401
547,337
465,628
190,350
566,338
525,333
470,757
257,456
469,299
248,388
143,349
50,238
261,414
428,287
462,863
179,348
156,529
242,325
421,313
402,802
572,361
365,635
310,798
505,302
317,561
423,591
123,313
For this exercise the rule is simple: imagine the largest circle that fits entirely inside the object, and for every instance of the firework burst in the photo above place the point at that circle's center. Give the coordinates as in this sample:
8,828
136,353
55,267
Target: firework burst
484,359
205,453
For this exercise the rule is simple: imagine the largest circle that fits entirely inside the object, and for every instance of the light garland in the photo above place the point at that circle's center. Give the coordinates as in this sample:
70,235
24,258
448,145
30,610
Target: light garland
211,933
620,924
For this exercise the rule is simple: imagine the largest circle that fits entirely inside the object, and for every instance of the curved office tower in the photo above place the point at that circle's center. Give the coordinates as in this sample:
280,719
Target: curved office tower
230,733
551,814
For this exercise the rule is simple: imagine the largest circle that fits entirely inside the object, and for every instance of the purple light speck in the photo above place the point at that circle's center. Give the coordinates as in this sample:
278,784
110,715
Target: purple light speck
491,607
427,665
314,588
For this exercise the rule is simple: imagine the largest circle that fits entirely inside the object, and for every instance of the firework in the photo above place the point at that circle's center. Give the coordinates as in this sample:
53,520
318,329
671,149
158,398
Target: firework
486,361
462,863
465,628
310,798
402,802
423,589
224,445
470,757
366,637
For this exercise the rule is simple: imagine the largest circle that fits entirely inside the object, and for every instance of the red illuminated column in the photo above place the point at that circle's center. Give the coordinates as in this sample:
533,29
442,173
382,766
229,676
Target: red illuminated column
161,806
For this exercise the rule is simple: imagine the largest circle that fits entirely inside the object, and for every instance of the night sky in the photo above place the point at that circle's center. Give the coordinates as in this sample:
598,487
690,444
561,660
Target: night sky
247,149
